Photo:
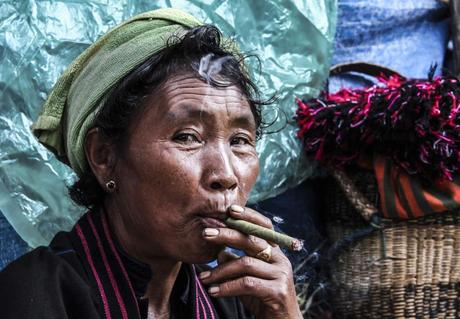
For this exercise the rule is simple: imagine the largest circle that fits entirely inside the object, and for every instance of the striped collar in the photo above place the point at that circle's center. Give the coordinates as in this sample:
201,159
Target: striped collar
120,281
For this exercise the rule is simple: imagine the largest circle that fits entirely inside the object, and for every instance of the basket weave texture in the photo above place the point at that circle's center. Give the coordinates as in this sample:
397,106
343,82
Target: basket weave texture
407,269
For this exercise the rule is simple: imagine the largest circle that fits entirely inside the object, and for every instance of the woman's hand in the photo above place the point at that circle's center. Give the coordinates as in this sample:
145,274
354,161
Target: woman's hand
266,288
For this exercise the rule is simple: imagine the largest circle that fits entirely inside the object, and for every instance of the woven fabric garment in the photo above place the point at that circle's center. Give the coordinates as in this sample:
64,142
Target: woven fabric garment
70,109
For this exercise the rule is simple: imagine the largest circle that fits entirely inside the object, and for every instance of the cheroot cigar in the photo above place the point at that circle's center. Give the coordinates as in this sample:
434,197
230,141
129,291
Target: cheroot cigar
264,233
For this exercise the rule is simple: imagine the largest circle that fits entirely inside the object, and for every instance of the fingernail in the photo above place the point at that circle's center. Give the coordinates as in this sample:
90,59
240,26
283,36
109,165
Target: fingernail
204,274
213,290
210,232
237,209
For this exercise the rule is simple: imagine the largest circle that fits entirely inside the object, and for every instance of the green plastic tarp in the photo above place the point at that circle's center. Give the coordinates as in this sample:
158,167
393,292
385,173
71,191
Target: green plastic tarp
38,39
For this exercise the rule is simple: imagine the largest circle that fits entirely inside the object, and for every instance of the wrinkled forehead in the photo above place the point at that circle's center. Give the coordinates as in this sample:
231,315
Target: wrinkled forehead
189,96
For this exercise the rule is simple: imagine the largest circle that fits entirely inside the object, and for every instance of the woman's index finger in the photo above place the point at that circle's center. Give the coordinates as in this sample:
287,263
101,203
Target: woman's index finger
250,215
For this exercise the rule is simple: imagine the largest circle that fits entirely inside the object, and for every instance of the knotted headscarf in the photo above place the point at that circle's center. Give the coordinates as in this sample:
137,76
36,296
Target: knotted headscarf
71,108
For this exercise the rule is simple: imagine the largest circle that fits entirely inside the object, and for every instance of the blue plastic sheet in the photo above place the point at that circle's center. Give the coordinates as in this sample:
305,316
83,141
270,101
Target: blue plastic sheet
11,245
38,39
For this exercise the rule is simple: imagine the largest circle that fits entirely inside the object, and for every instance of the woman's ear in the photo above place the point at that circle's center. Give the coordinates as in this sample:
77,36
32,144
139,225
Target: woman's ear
100,155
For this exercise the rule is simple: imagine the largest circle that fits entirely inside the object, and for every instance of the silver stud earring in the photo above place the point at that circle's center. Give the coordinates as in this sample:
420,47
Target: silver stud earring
111,185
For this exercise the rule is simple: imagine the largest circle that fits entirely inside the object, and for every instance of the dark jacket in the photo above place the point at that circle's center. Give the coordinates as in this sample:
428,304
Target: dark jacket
84,273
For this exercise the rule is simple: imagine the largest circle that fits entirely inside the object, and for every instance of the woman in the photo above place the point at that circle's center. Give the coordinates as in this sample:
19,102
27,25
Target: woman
159,120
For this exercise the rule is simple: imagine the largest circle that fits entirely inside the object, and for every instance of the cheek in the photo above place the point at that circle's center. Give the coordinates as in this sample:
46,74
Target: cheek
159,177
173,173
248,172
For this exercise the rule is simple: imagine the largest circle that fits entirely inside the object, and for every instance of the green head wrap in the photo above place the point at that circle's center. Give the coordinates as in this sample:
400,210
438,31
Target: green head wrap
71,108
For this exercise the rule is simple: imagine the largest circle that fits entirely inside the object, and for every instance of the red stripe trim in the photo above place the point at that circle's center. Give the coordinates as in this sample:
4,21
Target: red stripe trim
197,303
93,269
400,210
117,257
435,203
450,188
456,192
415,208
379,166
204,310
124,313
205,296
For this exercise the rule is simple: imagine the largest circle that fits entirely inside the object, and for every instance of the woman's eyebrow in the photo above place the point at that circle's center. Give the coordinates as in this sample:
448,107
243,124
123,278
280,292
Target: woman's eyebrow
188,112
241,119
244,120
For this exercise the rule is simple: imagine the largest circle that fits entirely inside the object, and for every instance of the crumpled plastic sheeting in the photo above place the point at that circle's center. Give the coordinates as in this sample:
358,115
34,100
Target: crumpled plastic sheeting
38,39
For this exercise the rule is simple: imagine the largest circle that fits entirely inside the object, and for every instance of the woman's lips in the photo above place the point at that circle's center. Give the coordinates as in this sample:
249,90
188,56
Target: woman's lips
212,222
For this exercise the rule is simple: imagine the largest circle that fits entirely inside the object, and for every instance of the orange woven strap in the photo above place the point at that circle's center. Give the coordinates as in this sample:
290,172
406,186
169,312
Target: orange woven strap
402,196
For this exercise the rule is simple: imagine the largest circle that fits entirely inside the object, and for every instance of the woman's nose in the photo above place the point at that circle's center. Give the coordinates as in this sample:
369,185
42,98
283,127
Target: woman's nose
220,175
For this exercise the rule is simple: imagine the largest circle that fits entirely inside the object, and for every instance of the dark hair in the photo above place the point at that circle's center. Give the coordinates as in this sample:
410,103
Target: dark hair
202,52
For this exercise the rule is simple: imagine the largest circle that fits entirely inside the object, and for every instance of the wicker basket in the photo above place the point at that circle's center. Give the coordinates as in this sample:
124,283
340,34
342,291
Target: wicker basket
407,269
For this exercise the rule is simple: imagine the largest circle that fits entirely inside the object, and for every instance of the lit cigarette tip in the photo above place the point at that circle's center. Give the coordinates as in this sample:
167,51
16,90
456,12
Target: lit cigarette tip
297,245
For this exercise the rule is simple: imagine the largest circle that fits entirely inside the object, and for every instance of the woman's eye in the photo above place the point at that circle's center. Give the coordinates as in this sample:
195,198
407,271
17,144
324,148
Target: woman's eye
240,140
186,138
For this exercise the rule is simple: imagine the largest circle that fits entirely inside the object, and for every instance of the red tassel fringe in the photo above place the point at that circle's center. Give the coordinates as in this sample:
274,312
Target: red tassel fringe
415,122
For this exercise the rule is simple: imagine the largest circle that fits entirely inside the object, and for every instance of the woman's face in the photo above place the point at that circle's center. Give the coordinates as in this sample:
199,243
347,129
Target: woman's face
190,155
